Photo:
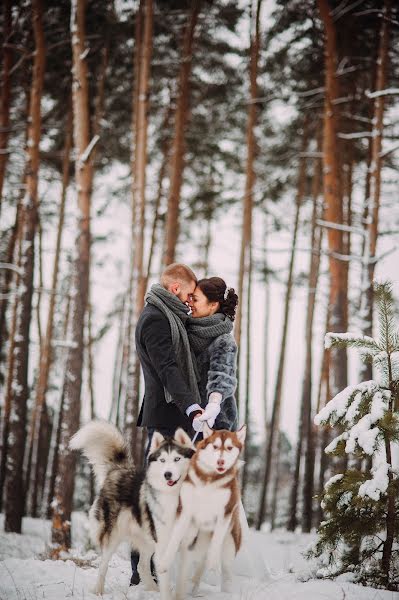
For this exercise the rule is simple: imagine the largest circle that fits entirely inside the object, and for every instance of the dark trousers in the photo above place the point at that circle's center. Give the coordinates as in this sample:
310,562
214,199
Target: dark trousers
134,557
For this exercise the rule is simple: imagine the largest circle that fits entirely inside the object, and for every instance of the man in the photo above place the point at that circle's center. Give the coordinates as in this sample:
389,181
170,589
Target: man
171,396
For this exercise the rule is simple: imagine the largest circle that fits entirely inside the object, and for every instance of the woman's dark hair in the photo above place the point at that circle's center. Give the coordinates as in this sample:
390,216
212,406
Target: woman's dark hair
216,290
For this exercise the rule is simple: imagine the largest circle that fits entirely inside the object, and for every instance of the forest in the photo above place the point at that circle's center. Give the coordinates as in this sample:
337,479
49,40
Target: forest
253,140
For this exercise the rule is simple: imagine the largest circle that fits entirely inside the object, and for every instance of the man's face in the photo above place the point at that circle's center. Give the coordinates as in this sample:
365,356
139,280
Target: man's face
186,292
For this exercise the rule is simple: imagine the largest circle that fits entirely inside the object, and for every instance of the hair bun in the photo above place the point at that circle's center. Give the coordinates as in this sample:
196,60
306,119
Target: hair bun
230,302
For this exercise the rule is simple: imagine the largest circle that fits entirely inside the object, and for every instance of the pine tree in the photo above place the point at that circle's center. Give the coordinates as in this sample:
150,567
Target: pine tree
361,530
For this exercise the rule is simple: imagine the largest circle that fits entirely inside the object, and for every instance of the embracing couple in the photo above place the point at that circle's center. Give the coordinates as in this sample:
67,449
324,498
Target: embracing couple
188,356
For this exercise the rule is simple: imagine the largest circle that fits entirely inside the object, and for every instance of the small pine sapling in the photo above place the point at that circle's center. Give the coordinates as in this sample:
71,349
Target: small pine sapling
361,530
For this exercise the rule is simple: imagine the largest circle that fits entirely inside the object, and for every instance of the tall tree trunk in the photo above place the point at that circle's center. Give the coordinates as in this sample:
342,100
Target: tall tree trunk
7,279
5,421
305,412
64,485
5,94
309,446
178,148
138,220
391,518
52,463
90,374
162,172
14,503
266,335
46,355
276,481
373,201
324,432
333,201
366,369
275,420
250,171
118,365
247,377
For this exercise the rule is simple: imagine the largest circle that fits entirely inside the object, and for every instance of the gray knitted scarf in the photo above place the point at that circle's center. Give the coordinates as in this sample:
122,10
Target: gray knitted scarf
203,330
177,314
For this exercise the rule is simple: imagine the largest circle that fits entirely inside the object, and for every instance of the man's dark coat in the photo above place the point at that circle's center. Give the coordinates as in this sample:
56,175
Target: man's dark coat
160,370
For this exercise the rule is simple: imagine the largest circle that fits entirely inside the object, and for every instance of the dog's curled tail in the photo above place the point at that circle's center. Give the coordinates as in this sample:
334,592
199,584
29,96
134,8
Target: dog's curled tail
103,445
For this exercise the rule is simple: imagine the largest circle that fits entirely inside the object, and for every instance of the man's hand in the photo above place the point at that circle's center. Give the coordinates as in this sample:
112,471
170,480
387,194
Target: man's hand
212,409
194,418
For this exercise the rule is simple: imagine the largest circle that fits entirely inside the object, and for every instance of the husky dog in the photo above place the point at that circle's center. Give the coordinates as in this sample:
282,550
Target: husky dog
208,520
138,507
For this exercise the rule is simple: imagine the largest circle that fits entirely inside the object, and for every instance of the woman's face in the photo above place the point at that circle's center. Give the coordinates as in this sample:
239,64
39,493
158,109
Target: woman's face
201,306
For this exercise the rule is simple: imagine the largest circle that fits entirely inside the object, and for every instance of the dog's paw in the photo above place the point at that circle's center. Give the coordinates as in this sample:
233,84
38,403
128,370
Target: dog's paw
151,587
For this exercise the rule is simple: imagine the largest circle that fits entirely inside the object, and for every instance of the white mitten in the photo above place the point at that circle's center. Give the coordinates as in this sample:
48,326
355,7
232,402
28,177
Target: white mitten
212,409
197,423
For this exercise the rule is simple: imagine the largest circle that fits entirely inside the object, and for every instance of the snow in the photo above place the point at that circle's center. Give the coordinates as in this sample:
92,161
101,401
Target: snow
332,337
337,407
386,92
363,435
333,480
279,570
377,485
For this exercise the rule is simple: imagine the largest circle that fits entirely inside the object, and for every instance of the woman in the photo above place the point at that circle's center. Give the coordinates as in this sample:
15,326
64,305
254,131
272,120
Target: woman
209,330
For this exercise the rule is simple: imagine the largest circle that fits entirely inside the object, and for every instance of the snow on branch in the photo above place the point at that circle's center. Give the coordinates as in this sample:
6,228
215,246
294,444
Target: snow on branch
378,484
337,407
387,92
86,154
64,344
11,267
353,339
339,226
354,136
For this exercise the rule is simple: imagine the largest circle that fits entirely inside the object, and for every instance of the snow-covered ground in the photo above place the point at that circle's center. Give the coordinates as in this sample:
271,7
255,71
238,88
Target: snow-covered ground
271,567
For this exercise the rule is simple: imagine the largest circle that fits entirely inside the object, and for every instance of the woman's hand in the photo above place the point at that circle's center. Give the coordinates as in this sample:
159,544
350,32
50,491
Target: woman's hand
212,409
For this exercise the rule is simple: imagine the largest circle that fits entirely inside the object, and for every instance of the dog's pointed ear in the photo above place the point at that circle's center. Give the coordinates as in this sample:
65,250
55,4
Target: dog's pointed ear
241,433
183,439
156,441
207,431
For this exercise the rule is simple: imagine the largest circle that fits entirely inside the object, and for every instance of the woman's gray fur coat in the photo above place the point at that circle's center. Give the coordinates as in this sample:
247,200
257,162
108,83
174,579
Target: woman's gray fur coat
217,366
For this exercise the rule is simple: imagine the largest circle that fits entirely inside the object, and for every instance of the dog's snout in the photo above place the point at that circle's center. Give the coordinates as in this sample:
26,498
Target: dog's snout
168,475
220,462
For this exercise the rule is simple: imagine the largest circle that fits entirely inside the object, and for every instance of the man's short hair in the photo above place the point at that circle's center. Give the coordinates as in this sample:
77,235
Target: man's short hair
177,272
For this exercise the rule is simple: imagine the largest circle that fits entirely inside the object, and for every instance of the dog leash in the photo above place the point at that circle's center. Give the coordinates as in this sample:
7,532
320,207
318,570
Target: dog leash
197,432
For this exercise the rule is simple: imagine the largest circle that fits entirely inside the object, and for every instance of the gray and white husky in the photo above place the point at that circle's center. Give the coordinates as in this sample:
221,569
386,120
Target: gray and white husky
138,507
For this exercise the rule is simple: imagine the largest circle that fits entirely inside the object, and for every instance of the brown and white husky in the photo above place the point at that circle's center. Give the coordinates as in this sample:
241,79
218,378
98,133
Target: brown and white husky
208,525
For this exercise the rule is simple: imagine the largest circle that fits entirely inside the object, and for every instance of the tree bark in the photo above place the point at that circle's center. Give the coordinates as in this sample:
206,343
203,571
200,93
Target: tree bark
323,433
178,147
14,504
5,421
247,378
52,463
5,94
275,419
250,171
138,220
304,426
64,484
309,446
7,280
90,374
373,201
46,356
161,177
333,201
